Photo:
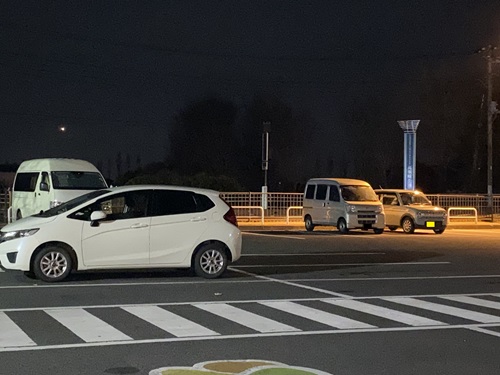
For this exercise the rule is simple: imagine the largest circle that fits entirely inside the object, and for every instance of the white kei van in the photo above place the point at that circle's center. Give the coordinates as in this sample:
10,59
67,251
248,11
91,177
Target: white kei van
41,184
344,203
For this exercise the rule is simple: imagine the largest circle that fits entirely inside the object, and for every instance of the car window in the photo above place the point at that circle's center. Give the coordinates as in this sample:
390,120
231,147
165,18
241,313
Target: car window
334,194
390,200
26,181
321,192
69,205
310,191
126,205
175,202
358,193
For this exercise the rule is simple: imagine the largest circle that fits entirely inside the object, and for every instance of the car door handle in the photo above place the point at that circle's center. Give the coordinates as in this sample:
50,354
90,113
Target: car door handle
139,226
199,218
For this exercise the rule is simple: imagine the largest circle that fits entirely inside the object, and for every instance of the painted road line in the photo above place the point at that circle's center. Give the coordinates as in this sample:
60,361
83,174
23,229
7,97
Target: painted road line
338,264
239,336
86,326
310,254
11,334
274,235
474,301
169,322
448,310
245,318
323,317
324,291
397,316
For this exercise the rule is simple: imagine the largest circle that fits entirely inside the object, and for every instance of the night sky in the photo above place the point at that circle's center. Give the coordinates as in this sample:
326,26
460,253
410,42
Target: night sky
114,73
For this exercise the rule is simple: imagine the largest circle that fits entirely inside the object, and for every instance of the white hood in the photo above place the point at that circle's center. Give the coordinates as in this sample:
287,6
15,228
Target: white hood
28,223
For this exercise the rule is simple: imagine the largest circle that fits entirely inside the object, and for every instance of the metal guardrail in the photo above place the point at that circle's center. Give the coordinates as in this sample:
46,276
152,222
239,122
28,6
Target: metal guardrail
461,211
288,212
250,209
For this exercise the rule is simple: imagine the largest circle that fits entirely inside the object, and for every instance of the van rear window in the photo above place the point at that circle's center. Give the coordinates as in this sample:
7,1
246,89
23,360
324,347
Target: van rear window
26,181
77,180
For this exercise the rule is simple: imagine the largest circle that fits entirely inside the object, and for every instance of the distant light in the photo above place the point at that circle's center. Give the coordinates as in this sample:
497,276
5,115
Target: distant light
62,129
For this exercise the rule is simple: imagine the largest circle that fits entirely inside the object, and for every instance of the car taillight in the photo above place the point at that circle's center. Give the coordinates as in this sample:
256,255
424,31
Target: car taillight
230,217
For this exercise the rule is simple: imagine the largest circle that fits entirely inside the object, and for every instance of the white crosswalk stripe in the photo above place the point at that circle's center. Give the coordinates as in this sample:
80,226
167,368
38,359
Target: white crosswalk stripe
169,322
323,317
248,319
383,312
474,301
277,318
86,326
11,334
449,310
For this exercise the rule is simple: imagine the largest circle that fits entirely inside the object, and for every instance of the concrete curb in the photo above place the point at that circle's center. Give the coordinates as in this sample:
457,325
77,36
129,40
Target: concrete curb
300,226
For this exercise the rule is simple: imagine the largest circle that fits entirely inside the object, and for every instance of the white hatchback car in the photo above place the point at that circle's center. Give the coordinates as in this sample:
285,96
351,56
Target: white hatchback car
129,227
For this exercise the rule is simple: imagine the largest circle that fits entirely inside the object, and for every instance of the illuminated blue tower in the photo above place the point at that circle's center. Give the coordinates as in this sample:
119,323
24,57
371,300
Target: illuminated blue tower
409,172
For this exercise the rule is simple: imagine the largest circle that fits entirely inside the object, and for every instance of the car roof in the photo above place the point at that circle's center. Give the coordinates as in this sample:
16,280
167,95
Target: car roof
125,188
396,191
340,181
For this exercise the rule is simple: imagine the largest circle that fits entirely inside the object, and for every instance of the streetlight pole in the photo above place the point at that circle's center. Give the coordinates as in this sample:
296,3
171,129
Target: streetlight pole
491,114
265,160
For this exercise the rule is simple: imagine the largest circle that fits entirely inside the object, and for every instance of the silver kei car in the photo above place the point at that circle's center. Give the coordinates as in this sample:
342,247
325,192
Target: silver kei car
411,210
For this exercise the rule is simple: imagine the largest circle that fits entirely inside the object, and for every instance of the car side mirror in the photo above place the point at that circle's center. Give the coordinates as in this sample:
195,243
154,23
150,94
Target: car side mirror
44,186
95,217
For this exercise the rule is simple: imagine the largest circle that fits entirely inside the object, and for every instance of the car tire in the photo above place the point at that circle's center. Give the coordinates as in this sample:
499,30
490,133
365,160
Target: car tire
342,226
439,231
392,228
408,225
378,230
52,264
210,261
19,215
309,223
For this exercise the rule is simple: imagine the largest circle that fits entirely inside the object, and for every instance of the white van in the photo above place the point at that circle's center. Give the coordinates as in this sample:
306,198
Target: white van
41,184
344,203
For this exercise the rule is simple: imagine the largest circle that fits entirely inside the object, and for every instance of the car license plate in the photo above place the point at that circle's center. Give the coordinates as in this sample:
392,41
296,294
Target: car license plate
430,224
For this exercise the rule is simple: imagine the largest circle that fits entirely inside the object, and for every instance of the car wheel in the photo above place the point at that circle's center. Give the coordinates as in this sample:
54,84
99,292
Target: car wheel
378,230
392,228
309,223
210,261
19,215
439,231
342,226
52,264
408,225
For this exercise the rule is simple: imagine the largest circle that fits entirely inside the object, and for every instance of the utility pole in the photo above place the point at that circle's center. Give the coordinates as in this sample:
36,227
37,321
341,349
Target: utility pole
491,108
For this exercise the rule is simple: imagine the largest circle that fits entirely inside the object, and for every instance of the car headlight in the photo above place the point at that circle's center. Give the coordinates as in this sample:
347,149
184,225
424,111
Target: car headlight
420,214
7,236
351,208
378,209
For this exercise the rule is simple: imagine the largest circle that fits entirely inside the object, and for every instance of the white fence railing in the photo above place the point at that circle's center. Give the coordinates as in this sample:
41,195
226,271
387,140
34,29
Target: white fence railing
287,206
462,213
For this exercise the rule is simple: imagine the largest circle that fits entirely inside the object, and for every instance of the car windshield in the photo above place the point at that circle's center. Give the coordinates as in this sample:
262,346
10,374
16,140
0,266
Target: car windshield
78,180
358,193
71,203
415,198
